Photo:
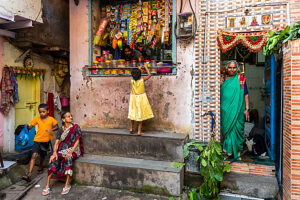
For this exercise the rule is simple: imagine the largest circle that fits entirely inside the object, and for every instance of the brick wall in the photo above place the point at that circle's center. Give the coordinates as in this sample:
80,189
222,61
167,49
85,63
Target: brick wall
291,131
294,11
287,128
217,11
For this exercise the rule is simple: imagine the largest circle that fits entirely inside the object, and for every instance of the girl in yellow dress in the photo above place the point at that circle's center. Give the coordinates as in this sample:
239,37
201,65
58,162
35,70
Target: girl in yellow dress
139,107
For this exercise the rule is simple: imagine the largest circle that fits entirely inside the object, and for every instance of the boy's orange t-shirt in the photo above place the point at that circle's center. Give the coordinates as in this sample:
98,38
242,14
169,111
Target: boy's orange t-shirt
42,135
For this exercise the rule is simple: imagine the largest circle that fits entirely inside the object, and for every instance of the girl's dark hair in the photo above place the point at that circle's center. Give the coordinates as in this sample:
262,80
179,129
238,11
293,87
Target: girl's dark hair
136,74
63,115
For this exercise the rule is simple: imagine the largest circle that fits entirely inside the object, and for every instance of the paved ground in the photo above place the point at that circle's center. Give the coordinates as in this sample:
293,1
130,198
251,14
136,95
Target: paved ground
84,192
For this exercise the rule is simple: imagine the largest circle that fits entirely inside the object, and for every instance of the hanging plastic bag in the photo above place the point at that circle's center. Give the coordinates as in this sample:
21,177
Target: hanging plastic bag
23,137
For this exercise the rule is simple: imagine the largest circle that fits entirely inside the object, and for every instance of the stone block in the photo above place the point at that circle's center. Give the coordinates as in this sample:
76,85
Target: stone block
159,146
158,177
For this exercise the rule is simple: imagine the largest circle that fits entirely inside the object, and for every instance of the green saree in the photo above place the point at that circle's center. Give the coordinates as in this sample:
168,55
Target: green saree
232,116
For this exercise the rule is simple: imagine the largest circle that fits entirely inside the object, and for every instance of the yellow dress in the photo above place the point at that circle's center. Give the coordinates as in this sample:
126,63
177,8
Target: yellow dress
139,106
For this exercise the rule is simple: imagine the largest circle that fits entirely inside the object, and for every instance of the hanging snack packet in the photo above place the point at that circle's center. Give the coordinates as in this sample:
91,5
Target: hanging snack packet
102,26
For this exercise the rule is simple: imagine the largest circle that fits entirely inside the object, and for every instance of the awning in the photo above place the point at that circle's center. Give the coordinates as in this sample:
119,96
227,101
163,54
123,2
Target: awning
254,41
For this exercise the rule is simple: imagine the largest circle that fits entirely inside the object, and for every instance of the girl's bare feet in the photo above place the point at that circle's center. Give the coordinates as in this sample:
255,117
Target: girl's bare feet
140,133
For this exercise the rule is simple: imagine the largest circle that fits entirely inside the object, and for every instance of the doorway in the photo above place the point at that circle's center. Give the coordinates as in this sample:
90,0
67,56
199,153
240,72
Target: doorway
254,67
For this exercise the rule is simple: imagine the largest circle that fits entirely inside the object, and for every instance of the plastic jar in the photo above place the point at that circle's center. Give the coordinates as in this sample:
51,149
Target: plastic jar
108,65
95,65
100,67
134,64
152,65
121,66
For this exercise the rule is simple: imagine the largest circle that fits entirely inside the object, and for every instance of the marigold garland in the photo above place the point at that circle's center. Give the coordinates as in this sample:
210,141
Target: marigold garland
254,41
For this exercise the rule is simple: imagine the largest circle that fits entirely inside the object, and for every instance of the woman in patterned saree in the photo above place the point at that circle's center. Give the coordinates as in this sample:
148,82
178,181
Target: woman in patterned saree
67,148
234,109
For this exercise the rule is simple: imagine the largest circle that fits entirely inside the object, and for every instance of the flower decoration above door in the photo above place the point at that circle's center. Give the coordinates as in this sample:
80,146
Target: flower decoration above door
254,41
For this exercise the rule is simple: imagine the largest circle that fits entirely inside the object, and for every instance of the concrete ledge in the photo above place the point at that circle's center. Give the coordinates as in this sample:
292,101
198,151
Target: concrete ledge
251,185
159,146
156,177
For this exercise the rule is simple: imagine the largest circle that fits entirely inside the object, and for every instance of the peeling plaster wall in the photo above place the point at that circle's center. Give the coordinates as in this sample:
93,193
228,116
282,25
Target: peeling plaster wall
25,8
1,115
103,101
10,53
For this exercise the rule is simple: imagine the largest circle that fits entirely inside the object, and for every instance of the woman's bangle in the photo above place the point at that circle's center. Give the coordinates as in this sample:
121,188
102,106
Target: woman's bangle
247,109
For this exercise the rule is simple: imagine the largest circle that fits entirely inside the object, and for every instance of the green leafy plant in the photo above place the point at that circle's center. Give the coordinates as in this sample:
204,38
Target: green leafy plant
294,32
212,169
274,42
276,39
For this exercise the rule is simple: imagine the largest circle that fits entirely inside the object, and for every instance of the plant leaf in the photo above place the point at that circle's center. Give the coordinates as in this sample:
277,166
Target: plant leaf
177,165
227,167
218,176
203,162
197,158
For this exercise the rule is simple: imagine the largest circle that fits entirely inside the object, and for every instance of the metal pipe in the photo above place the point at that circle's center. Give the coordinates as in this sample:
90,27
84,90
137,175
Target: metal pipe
249,6
203,74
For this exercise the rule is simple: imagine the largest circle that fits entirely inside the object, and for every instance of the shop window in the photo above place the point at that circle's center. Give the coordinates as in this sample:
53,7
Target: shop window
127,34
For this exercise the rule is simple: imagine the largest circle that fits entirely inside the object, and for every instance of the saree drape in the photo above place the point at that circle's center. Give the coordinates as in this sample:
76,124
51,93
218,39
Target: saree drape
232,116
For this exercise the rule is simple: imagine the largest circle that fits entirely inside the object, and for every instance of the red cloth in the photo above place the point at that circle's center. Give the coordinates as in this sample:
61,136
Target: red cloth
50,103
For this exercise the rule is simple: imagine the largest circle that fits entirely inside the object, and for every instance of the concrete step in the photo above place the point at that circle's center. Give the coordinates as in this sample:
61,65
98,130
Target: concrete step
159,146
257,186
157,177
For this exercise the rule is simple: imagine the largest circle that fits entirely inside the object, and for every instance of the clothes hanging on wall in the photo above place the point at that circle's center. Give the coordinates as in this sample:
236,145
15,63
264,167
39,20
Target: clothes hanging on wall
57,102
9,90
50,103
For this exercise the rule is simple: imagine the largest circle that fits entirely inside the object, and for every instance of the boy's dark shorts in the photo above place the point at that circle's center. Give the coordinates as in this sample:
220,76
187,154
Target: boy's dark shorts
40,148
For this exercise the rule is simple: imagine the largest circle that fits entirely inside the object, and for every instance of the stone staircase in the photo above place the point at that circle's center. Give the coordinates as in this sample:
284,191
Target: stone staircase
116,159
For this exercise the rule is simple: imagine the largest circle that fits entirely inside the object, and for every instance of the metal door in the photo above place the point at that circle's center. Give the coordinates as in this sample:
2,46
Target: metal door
270,78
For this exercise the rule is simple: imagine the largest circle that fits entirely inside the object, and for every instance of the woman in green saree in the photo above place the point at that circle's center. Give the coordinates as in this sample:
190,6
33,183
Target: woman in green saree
234,109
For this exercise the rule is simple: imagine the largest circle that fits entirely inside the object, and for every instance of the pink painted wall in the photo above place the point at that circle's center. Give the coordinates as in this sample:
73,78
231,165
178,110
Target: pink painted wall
1,115
103,101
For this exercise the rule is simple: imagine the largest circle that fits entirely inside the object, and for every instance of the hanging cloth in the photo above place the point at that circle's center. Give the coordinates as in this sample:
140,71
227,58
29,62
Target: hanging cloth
9,90
50,103
15,85
254,41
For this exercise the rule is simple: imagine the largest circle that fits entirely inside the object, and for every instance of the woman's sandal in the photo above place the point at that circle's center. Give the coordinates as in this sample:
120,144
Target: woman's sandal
131,132
140,134
66,190
46,191
27,178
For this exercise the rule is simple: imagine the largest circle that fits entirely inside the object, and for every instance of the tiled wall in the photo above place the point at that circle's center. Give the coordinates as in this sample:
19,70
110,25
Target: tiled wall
217,11
255,169
291,123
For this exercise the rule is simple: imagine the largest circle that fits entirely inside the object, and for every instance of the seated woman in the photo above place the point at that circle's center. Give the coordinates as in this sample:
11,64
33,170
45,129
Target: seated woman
67,148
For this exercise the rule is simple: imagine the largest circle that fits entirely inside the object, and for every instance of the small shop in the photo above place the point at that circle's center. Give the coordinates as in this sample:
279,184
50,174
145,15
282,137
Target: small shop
127,34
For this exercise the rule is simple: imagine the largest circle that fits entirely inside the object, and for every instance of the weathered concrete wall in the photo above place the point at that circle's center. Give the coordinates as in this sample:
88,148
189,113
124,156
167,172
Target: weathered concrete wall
103,101
10,53
1,115
54,31
26,8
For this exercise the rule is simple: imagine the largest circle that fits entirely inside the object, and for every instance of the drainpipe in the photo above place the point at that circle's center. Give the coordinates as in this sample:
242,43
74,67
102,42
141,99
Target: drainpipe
203,74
